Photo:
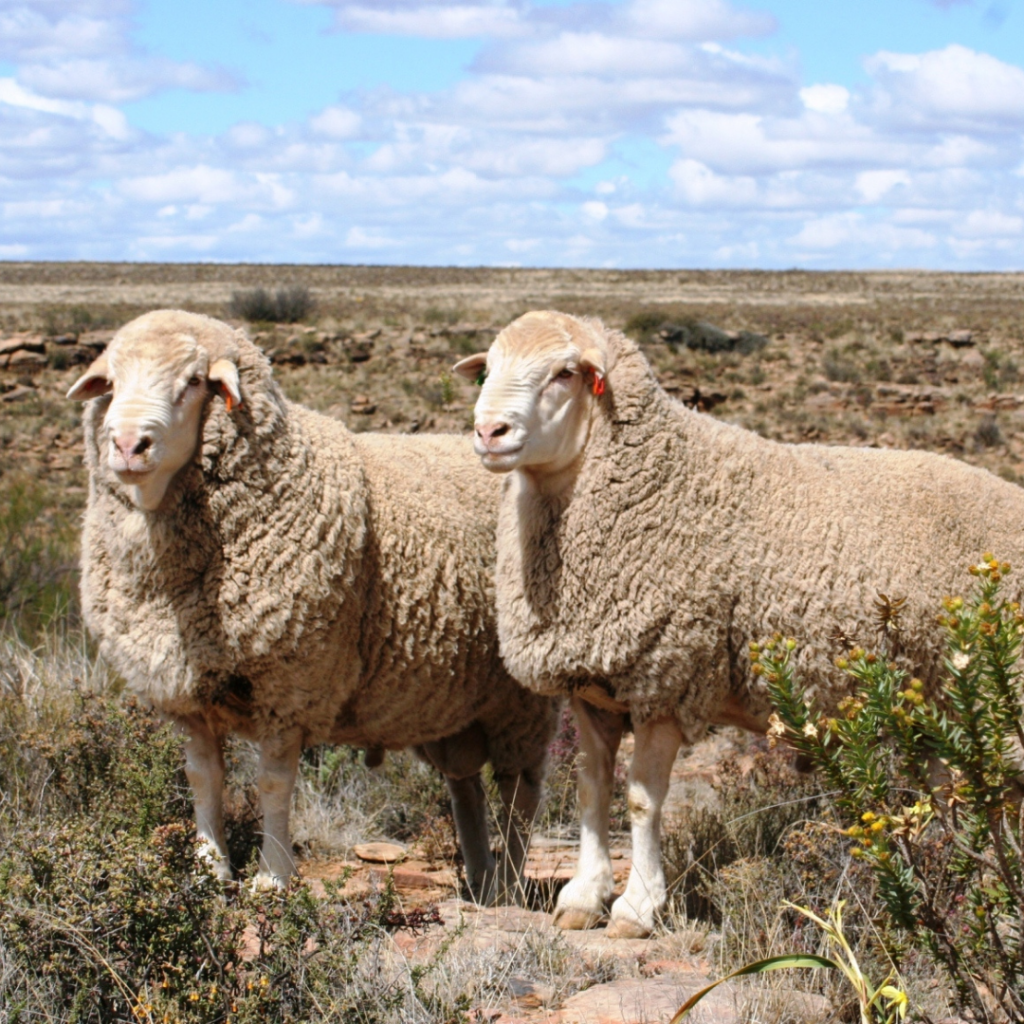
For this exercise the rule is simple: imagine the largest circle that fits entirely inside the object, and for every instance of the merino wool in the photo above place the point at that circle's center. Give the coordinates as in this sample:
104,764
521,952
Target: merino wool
682,539
299,575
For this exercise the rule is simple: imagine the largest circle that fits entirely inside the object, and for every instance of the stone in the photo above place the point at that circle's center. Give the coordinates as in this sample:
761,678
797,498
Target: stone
65,339
284,357
640,1000
419,876
17,394
379,853
25,360
960,338
22,343
95,339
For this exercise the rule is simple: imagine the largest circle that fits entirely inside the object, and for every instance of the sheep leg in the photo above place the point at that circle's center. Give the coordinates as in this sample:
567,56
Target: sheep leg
469,808
279,764
520,798
204,768
581,903
657,744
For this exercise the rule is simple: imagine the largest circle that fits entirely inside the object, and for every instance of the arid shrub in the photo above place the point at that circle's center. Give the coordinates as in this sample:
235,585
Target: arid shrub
38,563
944,847
285,306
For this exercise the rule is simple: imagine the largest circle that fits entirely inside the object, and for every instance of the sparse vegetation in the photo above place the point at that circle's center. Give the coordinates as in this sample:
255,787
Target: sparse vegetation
943,843
285,306
94,797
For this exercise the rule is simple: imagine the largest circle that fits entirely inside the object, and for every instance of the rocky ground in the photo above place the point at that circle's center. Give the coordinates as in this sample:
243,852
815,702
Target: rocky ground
906,360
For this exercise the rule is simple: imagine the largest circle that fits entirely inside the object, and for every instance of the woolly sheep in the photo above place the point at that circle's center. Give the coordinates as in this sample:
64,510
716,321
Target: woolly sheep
642,546
250,566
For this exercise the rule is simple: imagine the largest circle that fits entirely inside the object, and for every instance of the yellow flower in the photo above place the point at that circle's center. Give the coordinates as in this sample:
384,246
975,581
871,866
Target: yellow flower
897,999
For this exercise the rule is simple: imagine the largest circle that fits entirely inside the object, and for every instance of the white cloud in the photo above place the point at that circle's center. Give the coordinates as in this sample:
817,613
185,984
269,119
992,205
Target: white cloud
695,19
247,135
111,120
698,184
753,144
522,244
121,80
429,20
848,229
336,123
34,31
948,87
990,224
872,185
357,238
619,134
825,99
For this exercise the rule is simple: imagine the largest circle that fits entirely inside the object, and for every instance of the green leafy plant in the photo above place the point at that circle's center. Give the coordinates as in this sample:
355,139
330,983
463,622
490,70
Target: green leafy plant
930,787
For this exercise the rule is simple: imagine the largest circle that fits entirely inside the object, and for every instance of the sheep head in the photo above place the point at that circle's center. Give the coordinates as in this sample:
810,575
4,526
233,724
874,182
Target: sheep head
159,369
541,378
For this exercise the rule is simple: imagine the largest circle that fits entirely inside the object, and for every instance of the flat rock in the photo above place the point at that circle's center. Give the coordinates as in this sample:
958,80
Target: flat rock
380,853
23,359
644,1001
95,339
17,394
22,343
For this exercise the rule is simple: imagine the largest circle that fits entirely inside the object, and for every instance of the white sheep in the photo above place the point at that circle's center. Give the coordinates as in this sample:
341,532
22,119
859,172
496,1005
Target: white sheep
252,567
642,546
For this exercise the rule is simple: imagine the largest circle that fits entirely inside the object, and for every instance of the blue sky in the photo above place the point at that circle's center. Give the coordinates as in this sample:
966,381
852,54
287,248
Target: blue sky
627,133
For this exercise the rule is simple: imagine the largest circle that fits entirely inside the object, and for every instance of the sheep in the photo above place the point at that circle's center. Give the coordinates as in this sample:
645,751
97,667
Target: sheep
642,546
252,567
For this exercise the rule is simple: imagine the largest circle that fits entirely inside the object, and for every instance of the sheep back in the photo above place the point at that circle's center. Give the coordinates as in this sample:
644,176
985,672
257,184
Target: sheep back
429,632
685,538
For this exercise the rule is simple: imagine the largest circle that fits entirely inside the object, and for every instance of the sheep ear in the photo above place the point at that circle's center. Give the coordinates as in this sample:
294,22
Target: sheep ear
472,366
223,377
94,382
594,363
592,360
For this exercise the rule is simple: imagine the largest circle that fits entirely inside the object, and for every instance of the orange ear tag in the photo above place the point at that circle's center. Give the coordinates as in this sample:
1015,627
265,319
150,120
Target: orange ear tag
598,384
229,401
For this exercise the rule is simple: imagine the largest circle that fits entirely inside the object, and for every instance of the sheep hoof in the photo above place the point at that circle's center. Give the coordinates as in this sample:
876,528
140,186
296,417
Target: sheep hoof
623,928
571,919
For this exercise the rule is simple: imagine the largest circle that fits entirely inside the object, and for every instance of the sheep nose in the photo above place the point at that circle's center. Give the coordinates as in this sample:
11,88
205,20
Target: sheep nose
130,445
487,432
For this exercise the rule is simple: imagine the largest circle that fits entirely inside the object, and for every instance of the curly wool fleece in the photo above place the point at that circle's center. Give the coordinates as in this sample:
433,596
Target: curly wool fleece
300,575
683,539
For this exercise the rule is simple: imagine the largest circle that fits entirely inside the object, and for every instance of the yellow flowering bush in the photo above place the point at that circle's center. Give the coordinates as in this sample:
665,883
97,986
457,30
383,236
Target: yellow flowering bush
930,789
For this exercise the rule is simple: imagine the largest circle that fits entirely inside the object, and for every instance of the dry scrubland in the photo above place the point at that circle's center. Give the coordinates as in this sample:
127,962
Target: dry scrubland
93,850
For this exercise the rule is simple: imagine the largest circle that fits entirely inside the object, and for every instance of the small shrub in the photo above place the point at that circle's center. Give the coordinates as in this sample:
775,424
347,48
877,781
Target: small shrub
840,368
987,434
944,848
285,306
38,564
293,304
446,385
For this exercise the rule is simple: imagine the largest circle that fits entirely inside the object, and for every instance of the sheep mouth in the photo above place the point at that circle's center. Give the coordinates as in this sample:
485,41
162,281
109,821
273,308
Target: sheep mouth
131,476
501,460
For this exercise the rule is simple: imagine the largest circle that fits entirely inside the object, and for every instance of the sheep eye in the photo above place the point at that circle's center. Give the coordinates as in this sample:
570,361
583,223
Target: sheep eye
565,375
194,382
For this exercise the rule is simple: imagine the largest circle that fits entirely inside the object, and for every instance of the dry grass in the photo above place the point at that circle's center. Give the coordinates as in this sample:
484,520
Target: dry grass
850,358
